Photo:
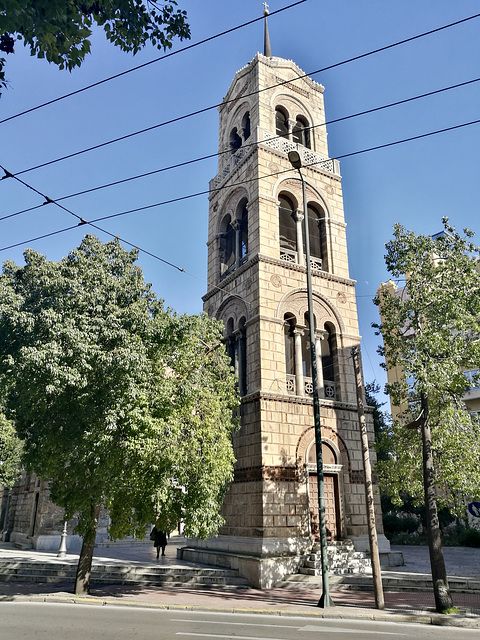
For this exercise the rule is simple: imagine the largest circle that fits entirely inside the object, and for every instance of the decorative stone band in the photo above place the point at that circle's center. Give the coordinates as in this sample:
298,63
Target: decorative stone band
357,477
261,473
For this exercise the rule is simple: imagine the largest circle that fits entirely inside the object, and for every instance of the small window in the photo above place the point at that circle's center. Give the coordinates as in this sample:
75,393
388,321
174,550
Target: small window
281,122
301,132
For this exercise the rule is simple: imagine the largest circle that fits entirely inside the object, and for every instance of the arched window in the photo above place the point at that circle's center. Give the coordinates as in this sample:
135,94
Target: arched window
301,132
289,340
281,122
235,140
236,349
316,233
287,229
246,126
306,351
227,246
242,217
329,351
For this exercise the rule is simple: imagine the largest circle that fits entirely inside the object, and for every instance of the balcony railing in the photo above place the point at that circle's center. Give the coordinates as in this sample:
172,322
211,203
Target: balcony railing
329,388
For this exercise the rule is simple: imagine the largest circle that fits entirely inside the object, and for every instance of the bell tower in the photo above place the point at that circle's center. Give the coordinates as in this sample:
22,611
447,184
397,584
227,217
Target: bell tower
257,287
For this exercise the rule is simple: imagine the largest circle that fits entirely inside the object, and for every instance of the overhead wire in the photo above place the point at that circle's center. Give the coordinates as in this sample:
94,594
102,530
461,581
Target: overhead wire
228,151
146,64
246,95
230,185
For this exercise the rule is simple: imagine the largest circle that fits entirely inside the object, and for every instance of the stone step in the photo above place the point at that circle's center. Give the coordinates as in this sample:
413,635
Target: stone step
121,574
364,582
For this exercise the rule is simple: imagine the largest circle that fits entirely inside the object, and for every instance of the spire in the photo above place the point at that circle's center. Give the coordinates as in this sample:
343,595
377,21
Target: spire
267,50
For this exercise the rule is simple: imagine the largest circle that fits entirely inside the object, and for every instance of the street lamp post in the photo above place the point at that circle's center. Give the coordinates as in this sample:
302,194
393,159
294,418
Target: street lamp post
325,600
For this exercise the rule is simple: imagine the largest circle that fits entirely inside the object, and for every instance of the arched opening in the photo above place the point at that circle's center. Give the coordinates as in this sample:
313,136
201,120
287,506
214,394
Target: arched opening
236,345
227,246
301,132
331,492
306,352
242,217
235,140
317,236
289,342
287,229
246,126
329,353
281,122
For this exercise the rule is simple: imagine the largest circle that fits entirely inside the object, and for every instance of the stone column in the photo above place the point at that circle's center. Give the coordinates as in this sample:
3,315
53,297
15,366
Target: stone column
238,242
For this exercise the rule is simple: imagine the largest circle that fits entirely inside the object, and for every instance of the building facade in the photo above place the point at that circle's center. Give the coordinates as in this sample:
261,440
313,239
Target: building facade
257,287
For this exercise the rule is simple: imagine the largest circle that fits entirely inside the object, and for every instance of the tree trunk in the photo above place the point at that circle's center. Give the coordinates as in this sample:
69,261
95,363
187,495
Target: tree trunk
441,591
84,568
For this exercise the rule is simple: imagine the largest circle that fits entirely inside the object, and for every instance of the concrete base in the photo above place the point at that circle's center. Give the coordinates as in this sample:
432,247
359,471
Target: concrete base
388,558
262,561
362,543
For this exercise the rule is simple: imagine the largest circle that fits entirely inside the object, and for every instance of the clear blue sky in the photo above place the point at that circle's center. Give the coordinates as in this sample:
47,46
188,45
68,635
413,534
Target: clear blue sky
414,183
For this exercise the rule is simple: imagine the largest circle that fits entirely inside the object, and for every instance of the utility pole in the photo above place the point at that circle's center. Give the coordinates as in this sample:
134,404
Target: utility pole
367,471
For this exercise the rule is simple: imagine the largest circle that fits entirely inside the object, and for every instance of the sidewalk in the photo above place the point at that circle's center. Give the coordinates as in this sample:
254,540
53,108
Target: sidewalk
399,605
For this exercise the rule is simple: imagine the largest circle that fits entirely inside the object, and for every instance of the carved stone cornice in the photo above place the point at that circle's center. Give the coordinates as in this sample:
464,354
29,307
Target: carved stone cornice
261,473
291,266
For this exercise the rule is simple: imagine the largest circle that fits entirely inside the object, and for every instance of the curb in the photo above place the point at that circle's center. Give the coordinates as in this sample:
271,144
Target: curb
334,613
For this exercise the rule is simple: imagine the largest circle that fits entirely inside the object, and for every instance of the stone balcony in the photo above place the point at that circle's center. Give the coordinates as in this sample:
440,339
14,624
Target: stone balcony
268,139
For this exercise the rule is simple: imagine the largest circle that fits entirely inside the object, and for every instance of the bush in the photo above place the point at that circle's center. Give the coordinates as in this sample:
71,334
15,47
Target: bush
469,537
394,523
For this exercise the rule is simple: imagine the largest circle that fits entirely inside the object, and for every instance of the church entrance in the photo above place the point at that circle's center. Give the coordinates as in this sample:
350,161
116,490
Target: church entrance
331,490
331,506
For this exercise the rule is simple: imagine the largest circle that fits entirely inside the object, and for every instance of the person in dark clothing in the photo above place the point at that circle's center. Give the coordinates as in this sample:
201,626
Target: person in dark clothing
159,540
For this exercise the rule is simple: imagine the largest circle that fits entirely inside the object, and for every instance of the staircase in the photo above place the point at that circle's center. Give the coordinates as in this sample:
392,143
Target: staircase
343,560
171,576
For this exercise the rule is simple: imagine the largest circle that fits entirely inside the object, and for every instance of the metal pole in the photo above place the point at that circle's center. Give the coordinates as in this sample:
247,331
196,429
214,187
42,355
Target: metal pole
325,600
367,471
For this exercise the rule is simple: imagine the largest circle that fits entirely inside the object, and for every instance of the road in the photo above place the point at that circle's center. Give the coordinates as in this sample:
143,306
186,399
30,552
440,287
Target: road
52,621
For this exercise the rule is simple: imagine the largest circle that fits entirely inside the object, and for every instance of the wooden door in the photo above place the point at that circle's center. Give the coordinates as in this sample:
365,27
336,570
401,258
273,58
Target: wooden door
330,482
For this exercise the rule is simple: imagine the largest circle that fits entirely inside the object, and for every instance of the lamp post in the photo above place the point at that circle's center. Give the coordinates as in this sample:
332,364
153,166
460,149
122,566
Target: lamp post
325,600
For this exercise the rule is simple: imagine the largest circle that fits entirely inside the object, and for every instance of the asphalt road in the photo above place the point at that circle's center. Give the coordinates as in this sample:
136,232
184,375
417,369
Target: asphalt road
42,621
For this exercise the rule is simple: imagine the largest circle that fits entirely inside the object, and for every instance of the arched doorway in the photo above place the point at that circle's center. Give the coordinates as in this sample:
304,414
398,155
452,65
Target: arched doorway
331,470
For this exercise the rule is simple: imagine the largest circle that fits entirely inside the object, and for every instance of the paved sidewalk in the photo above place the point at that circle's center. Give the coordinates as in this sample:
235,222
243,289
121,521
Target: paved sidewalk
400,605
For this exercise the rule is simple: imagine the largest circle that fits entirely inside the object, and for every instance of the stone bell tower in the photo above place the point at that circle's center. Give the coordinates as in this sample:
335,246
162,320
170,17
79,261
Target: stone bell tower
257,287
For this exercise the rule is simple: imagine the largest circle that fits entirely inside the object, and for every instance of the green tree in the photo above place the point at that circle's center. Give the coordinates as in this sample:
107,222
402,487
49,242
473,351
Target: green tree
10,451
60,30
431,329
118,401
381,421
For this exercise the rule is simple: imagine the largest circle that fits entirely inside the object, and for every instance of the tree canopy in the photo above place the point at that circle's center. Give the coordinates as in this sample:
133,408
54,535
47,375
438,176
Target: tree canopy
60,30
117,400
431,329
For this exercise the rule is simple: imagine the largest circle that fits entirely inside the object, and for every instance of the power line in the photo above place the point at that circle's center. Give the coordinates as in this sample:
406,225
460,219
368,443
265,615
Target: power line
194,195
246,146
146,64
246,95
